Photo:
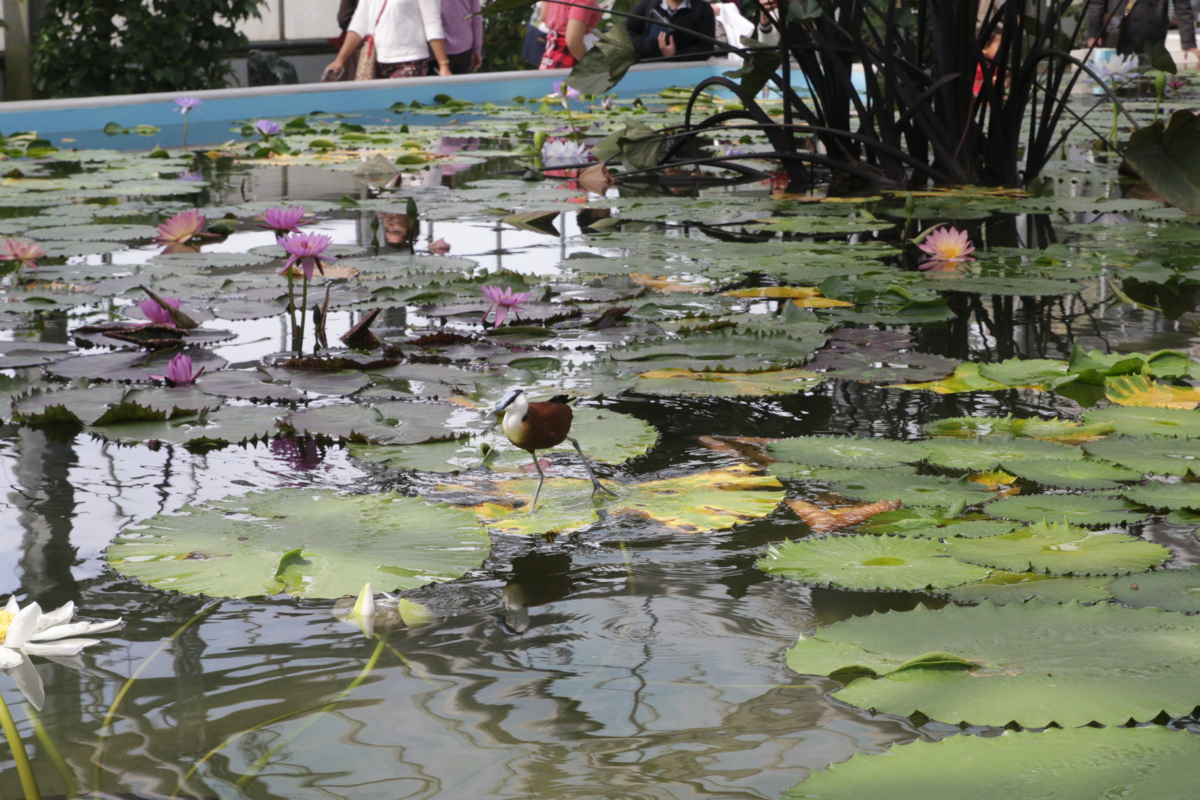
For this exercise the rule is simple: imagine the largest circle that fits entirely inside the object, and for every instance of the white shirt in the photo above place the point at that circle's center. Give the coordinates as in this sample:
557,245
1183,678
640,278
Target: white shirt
404,30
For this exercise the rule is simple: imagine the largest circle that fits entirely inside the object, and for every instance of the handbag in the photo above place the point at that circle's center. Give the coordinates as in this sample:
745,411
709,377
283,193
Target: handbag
365,71
535,45
1116,29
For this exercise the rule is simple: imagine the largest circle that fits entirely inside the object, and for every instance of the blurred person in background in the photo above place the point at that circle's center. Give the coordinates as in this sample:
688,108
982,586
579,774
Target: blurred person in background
404,32
567,25
654,40
464,36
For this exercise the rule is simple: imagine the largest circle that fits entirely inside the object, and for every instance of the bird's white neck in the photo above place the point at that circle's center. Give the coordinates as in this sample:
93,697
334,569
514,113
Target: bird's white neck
514,415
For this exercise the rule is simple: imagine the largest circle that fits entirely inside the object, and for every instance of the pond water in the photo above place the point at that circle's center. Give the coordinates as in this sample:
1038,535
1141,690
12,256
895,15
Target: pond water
629,658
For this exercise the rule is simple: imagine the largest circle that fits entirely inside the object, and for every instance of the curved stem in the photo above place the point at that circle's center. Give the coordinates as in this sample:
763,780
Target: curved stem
24,769
303,316
261,762
98,754
60,763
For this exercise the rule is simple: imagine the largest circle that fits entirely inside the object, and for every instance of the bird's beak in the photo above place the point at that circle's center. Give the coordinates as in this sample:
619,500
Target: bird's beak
504,403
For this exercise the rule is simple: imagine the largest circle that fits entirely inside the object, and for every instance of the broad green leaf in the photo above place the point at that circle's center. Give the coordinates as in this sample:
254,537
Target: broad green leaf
1151,455
1170,496
988,453
897,483
1168,158
1134,421
846,452
306,542
1064,474
930,524
1001,588
1025,372
1056,548
966,378
605,64
1168,589
229,425
1038,663
869,563
1152,763
1078,509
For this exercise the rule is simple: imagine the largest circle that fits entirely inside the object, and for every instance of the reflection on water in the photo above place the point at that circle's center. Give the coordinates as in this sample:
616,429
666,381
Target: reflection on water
616,663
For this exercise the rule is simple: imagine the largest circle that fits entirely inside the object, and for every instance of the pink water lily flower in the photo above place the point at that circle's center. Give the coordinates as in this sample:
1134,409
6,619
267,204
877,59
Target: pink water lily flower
179,372
948,245
440,247
305,248
156,313
186,104
23,251
183,227
503,301
284,220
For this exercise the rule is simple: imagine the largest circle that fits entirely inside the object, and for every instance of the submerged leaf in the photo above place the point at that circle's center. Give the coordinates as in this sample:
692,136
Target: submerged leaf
846,452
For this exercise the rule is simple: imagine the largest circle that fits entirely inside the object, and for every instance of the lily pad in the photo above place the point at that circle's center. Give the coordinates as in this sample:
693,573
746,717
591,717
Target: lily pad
1001,588
928,524
1033,663
397,423
1063,474
1056,548
1168,589
305,542
1054,430
988,453
691,504
1074,764
229,425
898,483
1133,421
703,383
846,452
869,563
1151,455
1089,510
1170,496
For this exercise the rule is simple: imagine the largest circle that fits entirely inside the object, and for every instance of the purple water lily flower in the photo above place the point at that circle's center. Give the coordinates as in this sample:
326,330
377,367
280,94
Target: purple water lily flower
186,104
156,313
179,372
565,92
188,175
305,248
503,301
183,227
267,128
284,220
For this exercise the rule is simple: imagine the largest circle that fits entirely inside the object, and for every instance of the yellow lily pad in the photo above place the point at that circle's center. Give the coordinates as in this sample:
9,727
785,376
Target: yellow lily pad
966,378
1137,390
674,381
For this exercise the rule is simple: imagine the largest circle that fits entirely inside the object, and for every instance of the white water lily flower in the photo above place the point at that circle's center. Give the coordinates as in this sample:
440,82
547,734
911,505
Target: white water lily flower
1113,67
28,632
560,152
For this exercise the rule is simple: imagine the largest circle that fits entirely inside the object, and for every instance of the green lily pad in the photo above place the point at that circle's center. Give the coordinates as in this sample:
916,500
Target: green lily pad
1145,421
1056,548
712,383
869,563
1033,663
1063,474
1074,764
1055,430
846,452
694,503
1151,455
928,524
896,483
1001,588
1168,589
1089,510
989,453
305,542
388,423
1170,496
228,425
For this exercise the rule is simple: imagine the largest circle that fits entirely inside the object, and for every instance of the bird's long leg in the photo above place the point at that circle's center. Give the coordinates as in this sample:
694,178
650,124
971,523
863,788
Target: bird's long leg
541,480
597,487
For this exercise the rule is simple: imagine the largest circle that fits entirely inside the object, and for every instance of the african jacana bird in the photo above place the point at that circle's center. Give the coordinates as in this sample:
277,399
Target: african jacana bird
540,426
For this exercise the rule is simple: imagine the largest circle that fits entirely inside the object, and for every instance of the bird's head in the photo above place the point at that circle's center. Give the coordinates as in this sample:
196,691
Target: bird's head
512,396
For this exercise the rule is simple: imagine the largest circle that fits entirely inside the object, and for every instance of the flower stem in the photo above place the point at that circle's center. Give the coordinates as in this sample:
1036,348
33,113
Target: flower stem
1115,134
292,307
261,762
24,768
51,750
98,754
303,316
186,116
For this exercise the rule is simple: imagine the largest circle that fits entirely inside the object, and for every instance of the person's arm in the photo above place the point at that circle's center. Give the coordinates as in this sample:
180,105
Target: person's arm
355,33
476,37
576,30
431,19
1186,21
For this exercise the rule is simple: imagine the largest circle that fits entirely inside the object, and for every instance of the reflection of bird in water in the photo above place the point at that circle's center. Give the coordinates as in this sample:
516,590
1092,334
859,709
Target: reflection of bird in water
540,426
537,579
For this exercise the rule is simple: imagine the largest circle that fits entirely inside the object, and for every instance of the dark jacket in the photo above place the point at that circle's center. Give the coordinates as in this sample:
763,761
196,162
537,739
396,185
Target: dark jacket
699,17
1148,22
